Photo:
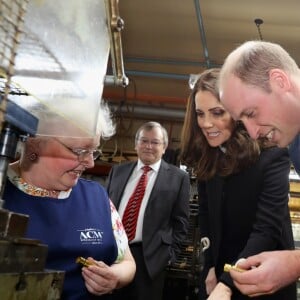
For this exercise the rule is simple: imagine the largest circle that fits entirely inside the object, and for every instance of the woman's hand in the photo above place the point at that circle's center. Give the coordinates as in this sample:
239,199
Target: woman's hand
102,279
211,280
220,292
99,278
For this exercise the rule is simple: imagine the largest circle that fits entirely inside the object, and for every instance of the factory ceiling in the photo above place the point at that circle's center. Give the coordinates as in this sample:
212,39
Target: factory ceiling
164,41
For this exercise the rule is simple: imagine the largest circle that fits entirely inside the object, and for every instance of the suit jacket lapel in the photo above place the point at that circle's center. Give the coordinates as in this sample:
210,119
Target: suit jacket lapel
159,182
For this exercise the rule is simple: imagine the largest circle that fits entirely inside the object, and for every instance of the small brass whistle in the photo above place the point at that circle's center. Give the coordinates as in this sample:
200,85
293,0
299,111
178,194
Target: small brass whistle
81,260
228,267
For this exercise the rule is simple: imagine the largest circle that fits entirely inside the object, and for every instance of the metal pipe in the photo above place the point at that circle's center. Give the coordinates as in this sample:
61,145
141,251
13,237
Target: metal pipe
164,61
158,74
140,110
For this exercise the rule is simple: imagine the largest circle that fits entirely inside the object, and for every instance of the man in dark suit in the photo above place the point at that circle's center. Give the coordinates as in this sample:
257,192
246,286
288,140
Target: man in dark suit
163,216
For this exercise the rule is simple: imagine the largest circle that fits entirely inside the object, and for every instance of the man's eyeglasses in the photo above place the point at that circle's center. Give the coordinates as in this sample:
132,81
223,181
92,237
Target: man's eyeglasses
83,154
153,143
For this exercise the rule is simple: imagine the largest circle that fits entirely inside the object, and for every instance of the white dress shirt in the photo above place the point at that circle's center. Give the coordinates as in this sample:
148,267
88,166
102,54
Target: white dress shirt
131,184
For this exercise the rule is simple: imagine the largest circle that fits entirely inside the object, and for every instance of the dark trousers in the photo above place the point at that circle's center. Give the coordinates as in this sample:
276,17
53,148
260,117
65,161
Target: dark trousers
143,287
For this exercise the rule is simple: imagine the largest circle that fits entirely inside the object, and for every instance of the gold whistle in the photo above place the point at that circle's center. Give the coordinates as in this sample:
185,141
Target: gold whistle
228,267
81,260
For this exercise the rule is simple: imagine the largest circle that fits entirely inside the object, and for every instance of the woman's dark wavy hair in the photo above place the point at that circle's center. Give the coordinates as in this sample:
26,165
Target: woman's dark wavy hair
196,153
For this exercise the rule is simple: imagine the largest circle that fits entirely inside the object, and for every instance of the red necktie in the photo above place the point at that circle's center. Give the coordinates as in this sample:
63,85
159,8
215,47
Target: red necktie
133,206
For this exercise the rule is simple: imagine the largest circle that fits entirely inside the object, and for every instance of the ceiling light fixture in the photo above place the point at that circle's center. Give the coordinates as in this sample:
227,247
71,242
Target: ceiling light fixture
258,22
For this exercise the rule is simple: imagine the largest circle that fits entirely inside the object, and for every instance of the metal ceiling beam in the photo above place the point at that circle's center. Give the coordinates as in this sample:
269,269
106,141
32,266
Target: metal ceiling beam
161,61
202,32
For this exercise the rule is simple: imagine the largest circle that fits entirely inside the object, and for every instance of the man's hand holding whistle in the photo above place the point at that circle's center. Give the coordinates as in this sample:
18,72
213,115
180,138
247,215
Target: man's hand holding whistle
266,272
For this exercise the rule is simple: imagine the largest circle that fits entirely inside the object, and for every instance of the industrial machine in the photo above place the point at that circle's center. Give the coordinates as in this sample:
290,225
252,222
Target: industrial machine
53,63
183,276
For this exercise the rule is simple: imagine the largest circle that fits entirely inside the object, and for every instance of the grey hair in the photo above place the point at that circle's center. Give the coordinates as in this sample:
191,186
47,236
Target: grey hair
149,126
105,126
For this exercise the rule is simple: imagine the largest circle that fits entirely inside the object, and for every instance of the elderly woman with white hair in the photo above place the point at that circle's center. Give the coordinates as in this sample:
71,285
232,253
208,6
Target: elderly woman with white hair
73,216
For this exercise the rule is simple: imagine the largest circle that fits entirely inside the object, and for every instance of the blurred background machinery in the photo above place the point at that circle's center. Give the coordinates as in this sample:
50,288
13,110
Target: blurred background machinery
183,276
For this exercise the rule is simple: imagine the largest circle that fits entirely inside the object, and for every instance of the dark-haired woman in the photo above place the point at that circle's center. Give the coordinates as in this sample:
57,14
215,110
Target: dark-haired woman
243,189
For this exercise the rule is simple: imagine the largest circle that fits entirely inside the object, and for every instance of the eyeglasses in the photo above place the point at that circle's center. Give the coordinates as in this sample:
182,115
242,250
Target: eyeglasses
83,154
153,143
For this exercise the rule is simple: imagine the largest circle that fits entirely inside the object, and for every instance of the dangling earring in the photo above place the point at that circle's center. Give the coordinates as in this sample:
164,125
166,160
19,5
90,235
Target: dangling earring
33,156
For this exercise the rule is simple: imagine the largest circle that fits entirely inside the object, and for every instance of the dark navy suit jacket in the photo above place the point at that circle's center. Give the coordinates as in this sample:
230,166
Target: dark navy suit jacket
166,215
